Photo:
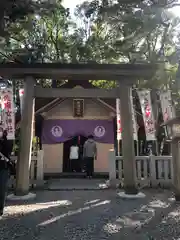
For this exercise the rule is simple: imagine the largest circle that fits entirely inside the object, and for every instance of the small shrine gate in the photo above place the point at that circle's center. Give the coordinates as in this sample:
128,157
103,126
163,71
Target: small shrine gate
124,74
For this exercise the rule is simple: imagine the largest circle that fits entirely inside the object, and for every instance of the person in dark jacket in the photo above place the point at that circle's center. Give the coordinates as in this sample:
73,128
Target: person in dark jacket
5,166
89,154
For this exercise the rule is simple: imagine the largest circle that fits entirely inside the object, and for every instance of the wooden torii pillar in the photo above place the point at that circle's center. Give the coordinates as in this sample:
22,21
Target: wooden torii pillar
26,134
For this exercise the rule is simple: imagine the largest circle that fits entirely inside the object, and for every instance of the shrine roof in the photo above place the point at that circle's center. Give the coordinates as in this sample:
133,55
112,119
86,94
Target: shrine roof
45,104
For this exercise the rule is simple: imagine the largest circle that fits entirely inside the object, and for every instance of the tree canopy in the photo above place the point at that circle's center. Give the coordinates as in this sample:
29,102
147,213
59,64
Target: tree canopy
104,31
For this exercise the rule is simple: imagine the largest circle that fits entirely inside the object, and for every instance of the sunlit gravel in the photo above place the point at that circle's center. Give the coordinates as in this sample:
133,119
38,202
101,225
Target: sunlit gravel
92,215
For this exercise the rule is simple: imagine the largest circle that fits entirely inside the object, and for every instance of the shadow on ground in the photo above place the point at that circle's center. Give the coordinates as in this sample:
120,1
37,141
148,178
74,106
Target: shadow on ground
90,215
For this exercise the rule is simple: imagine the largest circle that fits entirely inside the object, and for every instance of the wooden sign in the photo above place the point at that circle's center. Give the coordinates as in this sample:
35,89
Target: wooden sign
78,107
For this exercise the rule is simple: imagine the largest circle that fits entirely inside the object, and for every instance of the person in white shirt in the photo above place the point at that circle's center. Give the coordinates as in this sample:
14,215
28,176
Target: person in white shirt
74,157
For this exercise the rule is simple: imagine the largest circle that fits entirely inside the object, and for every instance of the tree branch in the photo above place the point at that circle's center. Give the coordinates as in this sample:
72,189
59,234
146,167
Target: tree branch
10,58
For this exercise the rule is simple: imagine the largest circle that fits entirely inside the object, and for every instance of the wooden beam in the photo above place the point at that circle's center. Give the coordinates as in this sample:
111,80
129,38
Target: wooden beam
40,110
47,108
79,71
107,105
75,93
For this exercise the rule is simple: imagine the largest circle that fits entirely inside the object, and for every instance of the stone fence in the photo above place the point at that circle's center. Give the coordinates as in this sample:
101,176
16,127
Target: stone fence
36,169
151,171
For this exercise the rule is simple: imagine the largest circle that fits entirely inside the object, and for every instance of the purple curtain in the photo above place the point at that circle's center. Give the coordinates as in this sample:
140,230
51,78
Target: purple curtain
59,131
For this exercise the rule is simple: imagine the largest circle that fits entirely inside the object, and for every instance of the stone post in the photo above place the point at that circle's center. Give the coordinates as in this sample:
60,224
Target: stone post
128,151
24,160
176,168
40,168
112,168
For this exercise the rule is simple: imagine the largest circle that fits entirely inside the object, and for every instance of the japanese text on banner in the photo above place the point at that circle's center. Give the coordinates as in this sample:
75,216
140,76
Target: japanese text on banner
133,118
168,110
149,124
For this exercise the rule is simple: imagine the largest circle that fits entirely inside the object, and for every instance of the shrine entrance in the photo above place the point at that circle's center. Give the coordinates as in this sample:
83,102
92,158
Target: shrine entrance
125,76
67,165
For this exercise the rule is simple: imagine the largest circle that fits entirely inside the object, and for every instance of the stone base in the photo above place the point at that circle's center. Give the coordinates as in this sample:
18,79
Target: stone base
29,196
131,196
130,190
112,184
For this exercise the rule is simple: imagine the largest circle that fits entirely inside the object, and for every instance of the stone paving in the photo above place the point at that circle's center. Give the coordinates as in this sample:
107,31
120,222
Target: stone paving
92,215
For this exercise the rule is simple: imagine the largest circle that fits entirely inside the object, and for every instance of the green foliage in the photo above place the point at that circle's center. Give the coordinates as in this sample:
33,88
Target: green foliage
102,32
104,84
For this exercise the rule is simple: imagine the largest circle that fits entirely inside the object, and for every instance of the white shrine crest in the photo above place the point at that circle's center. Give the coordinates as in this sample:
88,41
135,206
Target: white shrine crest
57,131
99,131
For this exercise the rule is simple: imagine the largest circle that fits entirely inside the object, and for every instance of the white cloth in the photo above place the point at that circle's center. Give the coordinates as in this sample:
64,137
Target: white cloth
74,152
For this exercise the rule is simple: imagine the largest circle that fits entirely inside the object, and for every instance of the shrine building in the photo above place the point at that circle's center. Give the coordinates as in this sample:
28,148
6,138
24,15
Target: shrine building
60,122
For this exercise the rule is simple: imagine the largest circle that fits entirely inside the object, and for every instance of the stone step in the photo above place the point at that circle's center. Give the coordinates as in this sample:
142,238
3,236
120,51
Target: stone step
76,184
32,184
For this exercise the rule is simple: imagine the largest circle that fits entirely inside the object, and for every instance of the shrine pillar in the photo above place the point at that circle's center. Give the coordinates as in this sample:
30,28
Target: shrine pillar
26,134
176,168
128,151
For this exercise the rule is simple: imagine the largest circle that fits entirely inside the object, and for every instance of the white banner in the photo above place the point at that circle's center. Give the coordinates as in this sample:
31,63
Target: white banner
168,110
118,117
7,119
148,117
133,119
21,96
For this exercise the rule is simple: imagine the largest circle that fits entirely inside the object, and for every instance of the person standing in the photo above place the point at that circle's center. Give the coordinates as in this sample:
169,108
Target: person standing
5,168
89,154
74,157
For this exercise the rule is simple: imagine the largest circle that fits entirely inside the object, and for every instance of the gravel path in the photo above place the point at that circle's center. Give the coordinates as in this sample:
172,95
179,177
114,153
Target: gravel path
92,215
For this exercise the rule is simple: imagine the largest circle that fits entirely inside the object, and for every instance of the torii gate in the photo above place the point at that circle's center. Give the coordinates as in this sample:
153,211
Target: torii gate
125,75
